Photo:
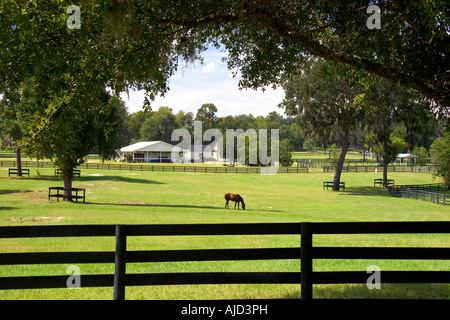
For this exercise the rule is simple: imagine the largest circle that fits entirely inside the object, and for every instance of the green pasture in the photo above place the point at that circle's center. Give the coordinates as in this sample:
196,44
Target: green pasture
129,197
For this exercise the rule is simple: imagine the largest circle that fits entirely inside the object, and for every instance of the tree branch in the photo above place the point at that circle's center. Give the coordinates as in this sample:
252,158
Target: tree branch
314,47
389,73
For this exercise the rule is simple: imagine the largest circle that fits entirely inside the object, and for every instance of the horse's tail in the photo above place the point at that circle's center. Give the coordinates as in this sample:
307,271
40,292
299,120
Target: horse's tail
242,201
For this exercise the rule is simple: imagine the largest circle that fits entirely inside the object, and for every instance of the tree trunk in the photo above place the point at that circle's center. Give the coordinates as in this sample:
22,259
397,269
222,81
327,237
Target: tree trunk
68,176
19,162
385,165
340,163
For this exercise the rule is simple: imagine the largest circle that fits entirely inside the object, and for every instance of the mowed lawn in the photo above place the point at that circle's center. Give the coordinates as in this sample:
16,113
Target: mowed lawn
129,197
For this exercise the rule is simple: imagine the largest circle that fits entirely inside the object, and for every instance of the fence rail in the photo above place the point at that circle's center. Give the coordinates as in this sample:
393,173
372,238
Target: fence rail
306,277
363,168
439,198
422,192
424,187
217,169
157,168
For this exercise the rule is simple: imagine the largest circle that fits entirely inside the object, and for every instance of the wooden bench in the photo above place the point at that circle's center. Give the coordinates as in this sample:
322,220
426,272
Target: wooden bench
15,171
76,172
329,184
60,193
390,182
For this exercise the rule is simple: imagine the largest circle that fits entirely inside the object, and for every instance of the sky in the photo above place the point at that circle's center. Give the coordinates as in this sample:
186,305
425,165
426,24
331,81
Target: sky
210,82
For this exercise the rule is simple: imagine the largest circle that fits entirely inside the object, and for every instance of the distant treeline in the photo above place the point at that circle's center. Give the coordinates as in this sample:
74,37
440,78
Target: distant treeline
159,125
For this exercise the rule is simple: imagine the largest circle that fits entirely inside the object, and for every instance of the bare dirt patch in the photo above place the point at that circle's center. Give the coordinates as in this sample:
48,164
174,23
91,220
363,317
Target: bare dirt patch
141,203
32,196
38,219
87,186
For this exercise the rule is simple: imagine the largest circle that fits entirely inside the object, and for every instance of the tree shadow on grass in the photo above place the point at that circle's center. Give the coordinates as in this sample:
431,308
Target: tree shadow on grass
186,206
117,178
386,291
366,191
92,178
11,191
137,204
6,208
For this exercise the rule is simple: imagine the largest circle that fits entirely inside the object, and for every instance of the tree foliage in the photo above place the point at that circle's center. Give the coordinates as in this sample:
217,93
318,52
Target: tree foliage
286,153
159,126
207,114
387,105
141,43
326,98
440,154
77,124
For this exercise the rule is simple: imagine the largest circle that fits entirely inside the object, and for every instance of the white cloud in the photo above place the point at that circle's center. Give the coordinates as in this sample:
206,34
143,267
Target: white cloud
191,87
209,67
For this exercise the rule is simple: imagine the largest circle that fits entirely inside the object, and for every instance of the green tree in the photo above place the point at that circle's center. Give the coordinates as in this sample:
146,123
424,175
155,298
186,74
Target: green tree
15,106
296,136
159,126
385,104
285,154
399,144
327,98
416,119
334,154
111,131
422,156
309,144
440,154
185,120
139,44
207,114
135,124
76,125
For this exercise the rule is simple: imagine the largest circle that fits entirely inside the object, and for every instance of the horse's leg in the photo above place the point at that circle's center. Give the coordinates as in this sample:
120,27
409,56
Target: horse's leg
226,205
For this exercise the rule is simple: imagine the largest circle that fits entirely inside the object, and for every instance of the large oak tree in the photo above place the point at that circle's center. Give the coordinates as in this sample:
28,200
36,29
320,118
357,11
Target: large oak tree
326,97
140,43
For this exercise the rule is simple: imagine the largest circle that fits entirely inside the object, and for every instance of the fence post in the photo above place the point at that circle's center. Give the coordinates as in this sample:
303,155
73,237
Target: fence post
306,263
120,263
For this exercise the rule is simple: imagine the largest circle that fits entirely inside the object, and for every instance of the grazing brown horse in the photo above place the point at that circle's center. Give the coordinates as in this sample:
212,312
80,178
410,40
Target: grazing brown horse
236,198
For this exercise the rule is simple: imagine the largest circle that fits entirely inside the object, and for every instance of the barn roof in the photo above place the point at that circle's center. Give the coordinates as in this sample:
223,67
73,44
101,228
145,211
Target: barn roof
406,155
151,146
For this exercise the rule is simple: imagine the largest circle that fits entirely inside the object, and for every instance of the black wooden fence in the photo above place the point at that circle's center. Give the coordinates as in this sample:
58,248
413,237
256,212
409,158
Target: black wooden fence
438,198
217,169
160,168
422,192
307,253
393,168
423,187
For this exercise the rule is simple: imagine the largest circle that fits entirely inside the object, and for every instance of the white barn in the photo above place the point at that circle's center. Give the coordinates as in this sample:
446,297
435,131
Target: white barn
402,159
200,153
149,151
